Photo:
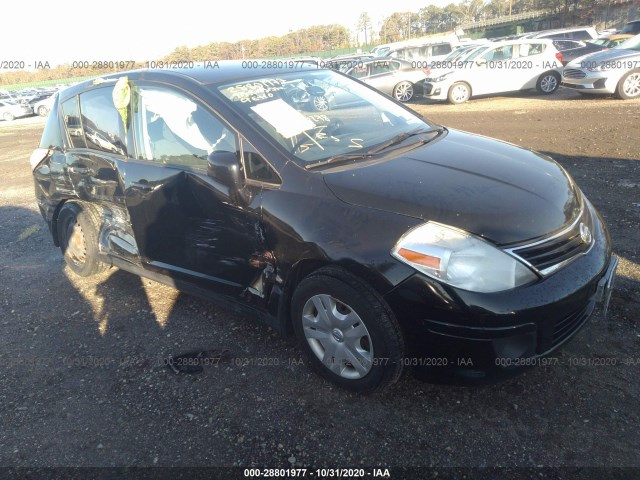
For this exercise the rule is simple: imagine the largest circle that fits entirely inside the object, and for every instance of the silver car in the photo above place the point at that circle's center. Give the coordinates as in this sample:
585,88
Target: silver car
9,110
394,77
614,71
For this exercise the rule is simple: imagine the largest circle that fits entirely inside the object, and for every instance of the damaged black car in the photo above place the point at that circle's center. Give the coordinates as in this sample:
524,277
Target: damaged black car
381,240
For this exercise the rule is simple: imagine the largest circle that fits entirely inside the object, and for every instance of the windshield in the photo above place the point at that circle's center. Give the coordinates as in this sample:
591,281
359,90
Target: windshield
320,114
632,44
474,53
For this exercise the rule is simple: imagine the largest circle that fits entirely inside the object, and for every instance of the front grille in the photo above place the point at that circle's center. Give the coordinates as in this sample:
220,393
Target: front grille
573,73
548,255
555,333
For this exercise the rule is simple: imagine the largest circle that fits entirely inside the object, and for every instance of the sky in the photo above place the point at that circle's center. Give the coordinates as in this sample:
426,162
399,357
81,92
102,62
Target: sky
63,31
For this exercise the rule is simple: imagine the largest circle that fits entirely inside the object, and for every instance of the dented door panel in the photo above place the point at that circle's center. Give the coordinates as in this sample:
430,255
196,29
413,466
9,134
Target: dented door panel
187,224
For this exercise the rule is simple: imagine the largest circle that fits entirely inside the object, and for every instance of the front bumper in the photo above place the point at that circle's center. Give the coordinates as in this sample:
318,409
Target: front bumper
453,334
435,90
590,82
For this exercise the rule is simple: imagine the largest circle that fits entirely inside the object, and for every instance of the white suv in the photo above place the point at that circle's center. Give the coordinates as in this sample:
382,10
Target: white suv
506,66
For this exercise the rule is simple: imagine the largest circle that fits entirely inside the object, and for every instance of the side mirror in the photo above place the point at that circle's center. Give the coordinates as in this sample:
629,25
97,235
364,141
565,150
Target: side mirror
225,168
481,61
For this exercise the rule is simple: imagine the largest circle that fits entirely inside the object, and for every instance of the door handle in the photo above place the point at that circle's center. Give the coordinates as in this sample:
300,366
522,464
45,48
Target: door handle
79,170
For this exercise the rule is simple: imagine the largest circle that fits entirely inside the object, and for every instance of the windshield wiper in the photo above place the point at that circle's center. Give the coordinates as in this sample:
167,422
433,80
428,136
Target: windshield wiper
342,158
346,157
402,137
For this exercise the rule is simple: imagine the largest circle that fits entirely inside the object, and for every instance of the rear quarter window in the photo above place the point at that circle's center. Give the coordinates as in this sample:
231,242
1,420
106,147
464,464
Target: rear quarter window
102,124
52,134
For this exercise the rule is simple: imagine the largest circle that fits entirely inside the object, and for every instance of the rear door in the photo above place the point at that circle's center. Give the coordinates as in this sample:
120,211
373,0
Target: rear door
382,75
98,143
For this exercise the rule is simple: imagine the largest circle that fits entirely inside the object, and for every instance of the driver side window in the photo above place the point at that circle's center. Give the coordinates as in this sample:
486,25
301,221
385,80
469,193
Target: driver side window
173,129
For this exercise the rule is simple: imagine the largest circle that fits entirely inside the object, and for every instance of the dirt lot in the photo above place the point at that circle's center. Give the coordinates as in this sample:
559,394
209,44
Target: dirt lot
81,359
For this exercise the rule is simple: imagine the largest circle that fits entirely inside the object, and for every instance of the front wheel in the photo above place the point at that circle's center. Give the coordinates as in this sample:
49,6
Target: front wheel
548,83
8,116
403,92
629,85
347,331
459,92
78,235
43,111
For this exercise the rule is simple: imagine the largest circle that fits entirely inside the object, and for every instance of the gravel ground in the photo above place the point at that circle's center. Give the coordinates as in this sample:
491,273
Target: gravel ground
81,360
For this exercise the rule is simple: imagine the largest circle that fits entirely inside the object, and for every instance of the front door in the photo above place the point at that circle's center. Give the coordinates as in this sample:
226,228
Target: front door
187,224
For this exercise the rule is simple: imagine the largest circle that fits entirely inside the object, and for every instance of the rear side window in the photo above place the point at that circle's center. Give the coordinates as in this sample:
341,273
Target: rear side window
528,49
103,126
71,119
442,49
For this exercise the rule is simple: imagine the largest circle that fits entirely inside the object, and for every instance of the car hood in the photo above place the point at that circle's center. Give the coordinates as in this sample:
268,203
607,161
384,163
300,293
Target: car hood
490,188
605,56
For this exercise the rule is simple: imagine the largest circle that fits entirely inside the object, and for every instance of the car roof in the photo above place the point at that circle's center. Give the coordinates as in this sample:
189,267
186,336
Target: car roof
567,29
204,73
518,41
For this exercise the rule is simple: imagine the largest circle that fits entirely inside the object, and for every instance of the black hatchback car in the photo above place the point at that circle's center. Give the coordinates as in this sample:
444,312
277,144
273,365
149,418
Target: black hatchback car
380,239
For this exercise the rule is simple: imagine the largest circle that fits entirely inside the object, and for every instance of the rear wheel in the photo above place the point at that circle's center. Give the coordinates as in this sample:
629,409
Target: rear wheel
347,331
459,92
403,92
78,235
8,116
629,85
43,111
548,83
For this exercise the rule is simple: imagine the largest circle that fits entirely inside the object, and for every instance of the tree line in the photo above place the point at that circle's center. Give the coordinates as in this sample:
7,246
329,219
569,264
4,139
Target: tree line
432,19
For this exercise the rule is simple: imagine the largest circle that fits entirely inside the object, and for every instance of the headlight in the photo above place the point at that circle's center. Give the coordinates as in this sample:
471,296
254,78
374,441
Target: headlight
460,259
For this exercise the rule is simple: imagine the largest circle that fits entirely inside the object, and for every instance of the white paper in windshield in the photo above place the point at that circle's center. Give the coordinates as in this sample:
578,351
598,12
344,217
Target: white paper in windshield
283,117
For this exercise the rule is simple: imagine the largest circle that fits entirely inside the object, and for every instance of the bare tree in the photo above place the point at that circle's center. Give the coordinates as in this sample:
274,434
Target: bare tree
364,24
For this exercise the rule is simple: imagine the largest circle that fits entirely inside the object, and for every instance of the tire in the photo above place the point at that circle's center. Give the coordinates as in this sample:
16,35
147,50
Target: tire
629,85
403,92
43,111
548,83
459,92
359,328
8,117
319,103
78,235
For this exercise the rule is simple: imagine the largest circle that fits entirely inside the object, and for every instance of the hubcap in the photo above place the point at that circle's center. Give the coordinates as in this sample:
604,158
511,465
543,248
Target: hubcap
76,246
321,103
548,83
631,85
459,93
404,92
337,336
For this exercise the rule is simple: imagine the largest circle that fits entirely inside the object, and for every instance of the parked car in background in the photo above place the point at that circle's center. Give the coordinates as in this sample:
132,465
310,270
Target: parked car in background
571,33
632,27
591,46
343,63
427,51
391,76
380,239
506,66
614,71
10,110
43,107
